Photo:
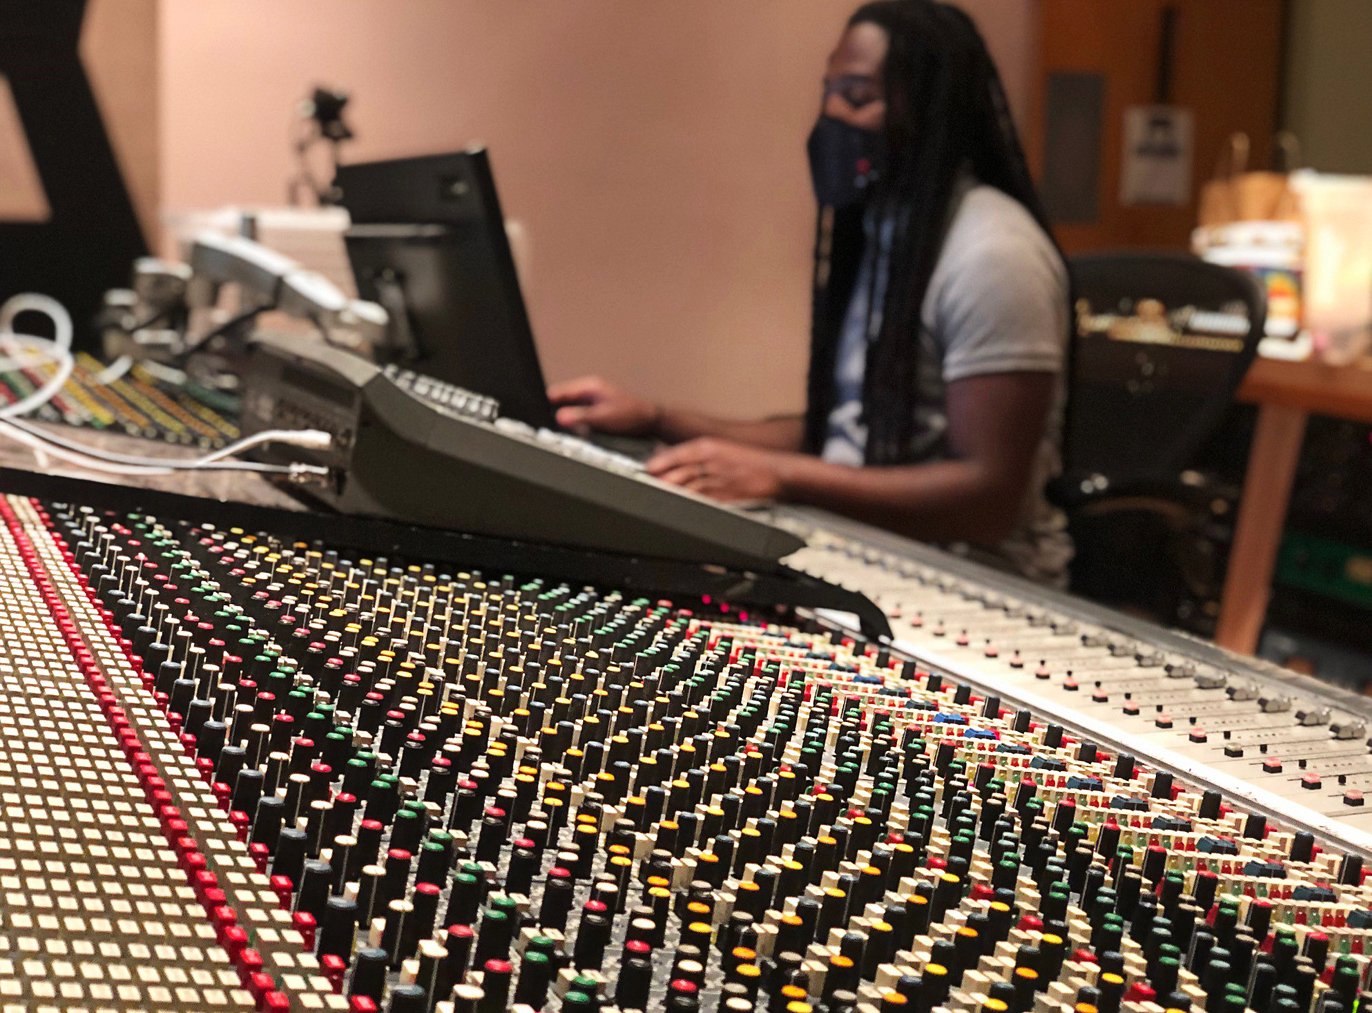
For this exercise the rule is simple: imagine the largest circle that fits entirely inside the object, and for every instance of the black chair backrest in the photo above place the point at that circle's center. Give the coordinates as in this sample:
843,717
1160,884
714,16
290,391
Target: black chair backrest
1160,345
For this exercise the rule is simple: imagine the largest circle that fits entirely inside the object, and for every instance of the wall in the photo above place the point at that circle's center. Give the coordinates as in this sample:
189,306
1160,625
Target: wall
1226,61
1328,95
78,131
118,49
654,151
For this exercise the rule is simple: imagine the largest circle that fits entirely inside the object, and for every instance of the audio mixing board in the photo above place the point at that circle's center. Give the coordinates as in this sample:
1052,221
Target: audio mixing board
241,771
135,404
1284,742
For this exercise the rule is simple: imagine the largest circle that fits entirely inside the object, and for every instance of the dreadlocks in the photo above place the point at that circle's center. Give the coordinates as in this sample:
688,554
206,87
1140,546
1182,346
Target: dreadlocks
946,114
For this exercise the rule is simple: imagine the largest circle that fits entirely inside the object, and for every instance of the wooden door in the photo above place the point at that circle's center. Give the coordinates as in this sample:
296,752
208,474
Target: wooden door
1225,59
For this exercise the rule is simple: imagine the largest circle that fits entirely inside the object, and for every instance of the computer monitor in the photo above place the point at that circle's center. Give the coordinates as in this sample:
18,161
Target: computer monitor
428,243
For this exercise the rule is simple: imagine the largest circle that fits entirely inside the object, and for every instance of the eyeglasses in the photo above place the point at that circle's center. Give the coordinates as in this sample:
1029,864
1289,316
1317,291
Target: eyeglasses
855,89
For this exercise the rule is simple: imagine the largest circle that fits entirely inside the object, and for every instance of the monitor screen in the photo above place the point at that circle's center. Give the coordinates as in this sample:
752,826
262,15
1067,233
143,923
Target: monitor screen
428,243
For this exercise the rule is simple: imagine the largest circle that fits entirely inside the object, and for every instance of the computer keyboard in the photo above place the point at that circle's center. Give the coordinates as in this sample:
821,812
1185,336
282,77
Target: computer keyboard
452,399
413,448
584,450
446,397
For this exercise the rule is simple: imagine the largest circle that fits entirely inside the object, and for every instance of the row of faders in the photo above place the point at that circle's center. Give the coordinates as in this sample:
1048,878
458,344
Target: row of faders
1299,743
135,404
393,786
96,911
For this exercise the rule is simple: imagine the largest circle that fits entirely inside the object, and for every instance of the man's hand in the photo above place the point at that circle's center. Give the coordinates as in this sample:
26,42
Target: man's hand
590,403
722,469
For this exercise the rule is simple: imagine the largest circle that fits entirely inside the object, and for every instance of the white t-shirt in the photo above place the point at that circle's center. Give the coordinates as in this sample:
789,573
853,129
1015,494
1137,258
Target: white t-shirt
996,303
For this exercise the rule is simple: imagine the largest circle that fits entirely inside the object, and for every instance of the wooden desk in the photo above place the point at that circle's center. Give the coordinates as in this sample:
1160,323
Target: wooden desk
1287,394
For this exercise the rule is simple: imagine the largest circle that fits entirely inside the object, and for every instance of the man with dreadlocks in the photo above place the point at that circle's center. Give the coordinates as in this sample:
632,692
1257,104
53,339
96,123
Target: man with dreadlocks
940,314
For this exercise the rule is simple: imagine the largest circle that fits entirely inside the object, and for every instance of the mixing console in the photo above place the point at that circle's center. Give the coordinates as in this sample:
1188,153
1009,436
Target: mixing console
1284,742
135,404
244,773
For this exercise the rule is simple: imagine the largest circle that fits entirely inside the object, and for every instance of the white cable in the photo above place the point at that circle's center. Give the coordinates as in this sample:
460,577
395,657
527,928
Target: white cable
78,448
163,464
167,374
43,446
57,349
21,351
313,438
115,370
26,302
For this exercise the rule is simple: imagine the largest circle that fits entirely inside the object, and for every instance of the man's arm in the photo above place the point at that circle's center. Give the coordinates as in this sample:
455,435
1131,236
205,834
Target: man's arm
590,403
995,424
781,432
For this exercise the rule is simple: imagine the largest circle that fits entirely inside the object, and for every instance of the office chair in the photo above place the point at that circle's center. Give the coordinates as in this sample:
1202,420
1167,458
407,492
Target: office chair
1160,345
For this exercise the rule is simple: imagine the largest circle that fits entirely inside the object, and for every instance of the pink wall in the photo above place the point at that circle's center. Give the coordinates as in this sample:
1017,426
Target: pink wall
654,152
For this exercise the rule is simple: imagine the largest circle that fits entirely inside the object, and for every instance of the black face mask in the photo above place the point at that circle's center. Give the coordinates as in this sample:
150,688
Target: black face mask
844,161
